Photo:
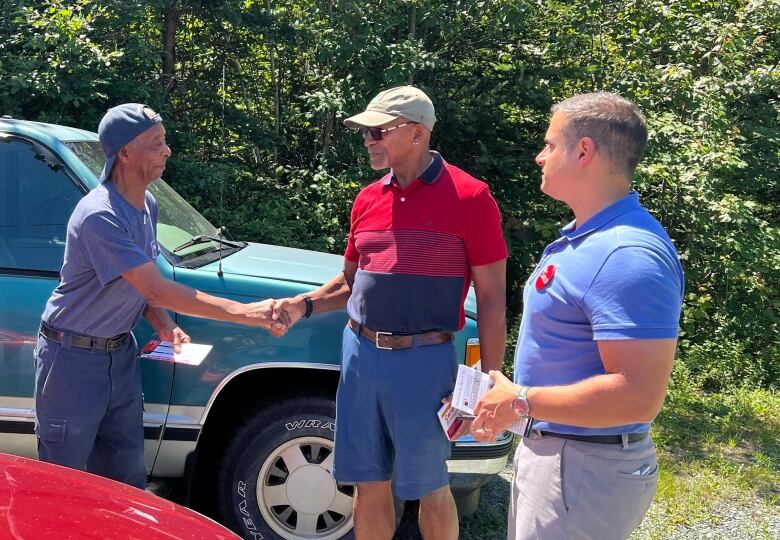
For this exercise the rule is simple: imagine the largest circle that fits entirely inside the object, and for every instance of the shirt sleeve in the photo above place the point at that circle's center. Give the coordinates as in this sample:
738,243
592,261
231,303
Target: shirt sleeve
637,294
109,248
483,236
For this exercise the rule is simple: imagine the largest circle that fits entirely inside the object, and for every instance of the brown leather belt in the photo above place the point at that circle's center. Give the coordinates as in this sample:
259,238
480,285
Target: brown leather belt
388,340
83,341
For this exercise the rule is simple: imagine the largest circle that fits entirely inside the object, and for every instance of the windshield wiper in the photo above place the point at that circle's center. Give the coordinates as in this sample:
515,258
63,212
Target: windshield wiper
201,238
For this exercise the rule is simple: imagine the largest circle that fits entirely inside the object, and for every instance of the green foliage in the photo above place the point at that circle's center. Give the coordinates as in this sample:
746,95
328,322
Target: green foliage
265,151
715,448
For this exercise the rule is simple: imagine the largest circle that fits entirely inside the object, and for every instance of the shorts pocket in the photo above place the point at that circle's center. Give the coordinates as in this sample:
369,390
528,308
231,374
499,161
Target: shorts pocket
350,334
447,371
52,430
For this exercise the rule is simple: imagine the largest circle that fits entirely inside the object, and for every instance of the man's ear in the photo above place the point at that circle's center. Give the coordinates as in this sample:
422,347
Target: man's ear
418,133
586,150
421,134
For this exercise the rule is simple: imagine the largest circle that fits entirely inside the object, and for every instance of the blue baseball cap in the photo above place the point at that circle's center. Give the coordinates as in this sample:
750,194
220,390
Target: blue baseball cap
119,126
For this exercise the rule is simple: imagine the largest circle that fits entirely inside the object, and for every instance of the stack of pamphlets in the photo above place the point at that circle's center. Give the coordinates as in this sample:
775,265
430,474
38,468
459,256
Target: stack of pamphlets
470,386
191,354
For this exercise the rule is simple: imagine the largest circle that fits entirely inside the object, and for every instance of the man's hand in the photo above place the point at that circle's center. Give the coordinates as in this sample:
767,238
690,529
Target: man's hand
176,335
494,413
291,308
465,423
261,314
165,327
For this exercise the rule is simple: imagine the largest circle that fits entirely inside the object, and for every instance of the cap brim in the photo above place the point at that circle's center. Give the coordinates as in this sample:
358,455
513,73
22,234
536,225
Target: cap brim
107,168
369,119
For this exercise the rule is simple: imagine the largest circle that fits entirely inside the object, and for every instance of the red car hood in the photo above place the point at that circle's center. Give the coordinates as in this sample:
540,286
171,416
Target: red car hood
40,500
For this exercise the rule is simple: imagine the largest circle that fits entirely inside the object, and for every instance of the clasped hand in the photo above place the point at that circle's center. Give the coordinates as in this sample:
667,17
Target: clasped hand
277,316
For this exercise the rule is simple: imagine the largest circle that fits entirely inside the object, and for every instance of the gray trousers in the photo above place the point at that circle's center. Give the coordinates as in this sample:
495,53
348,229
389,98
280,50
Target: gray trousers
566,489
89,409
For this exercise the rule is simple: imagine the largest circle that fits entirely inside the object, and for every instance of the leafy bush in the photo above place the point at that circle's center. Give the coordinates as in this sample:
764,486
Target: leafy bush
256,97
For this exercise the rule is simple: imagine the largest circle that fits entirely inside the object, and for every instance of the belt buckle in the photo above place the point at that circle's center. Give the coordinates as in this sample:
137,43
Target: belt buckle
376,340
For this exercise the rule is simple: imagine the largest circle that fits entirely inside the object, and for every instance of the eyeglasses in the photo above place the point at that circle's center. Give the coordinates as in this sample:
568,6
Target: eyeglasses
378,133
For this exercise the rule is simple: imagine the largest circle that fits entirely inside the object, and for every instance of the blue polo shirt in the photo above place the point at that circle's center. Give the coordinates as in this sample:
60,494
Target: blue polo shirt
617,276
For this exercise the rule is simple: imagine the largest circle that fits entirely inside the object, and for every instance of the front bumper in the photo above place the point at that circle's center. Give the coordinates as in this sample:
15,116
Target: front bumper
473,464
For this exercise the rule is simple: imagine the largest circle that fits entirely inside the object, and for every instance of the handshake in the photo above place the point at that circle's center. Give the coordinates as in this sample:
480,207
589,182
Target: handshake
276,316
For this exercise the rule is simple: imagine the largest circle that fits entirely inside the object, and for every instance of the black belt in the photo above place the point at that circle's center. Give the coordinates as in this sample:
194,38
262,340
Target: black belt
601,439
85,342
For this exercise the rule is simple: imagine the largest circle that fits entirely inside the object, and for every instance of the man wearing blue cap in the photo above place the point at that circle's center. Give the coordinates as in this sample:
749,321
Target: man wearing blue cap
88,401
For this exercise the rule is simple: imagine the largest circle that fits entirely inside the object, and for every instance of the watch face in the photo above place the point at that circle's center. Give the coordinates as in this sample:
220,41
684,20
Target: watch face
520,406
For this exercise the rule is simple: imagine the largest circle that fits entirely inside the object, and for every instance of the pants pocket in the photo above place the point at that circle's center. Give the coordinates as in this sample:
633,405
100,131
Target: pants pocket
613,496
52,430
46,359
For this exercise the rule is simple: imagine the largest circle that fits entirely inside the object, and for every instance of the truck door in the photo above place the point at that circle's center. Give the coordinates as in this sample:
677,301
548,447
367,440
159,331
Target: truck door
36,199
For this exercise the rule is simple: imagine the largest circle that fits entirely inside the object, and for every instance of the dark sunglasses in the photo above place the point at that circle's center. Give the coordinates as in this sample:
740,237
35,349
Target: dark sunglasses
378,133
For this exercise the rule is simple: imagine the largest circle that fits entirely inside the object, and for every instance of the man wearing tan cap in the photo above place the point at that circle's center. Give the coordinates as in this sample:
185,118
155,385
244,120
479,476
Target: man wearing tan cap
417,239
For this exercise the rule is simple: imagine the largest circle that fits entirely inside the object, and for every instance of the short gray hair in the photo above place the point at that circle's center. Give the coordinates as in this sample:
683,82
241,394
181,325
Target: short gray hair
614,123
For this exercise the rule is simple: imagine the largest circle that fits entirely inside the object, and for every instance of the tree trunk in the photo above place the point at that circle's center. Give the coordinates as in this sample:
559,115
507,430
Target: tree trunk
170,22
274,84
412,35
329,121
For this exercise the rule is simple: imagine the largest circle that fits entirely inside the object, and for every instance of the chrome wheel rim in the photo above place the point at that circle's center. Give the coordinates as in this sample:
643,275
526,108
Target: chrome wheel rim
297,494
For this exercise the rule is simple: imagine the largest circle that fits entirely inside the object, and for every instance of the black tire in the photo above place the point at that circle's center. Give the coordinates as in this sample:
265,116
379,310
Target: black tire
286,449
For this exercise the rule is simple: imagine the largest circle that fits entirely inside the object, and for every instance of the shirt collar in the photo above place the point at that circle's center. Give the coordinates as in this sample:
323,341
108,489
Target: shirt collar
618,208
114,194
431,173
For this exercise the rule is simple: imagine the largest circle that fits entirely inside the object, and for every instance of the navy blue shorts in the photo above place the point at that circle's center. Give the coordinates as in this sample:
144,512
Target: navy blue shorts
386,422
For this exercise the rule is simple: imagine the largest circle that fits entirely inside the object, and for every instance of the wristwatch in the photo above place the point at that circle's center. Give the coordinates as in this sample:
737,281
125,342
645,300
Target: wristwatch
520,404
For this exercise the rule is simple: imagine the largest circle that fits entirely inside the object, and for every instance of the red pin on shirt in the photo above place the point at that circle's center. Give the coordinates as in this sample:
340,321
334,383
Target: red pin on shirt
545,277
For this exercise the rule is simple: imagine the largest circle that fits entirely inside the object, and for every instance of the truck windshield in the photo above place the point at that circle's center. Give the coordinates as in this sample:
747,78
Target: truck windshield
177,221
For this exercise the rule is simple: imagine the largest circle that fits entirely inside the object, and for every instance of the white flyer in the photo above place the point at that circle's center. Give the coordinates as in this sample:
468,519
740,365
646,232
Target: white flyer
470,386
192,354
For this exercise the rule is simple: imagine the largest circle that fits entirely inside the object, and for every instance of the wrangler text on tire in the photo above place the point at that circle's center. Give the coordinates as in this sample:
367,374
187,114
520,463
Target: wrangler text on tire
275,478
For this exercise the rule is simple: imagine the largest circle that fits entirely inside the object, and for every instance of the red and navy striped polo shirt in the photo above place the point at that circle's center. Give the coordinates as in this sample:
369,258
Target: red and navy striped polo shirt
415,248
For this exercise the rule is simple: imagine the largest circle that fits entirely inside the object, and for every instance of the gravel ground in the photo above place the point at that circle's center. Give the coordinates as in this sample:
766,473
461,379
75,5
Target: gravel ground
729,520
732,521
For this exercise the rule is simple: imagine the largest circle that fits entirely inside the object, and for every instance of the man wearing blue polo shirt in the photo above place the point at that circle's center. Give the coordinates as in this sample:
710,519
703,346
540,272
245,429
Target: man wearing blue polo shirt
597,338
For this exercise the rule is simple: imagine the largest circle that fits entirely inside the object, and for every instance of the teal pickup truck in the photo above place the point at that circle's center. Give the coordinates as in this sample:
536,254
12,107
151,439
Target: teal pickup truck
250,430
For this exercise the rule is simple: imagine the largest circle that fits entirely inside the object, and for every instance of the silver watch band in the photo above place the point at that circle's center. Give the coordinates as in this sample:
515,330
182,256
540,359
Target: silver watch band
523,394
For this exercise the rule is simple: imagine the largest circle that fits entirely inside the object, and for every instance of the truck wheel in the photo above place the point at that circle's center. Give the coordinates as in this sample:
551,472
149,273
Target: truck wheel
275,477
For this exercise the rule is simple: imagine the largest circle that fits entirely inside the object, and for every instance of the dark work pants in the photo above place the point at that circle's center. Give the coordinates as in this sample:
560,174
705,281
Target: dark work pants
89,409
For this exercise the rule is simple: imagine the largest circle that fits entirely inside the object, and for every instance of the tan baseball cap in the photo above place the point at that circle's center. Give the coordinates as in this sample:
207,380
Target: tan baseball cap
406,101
